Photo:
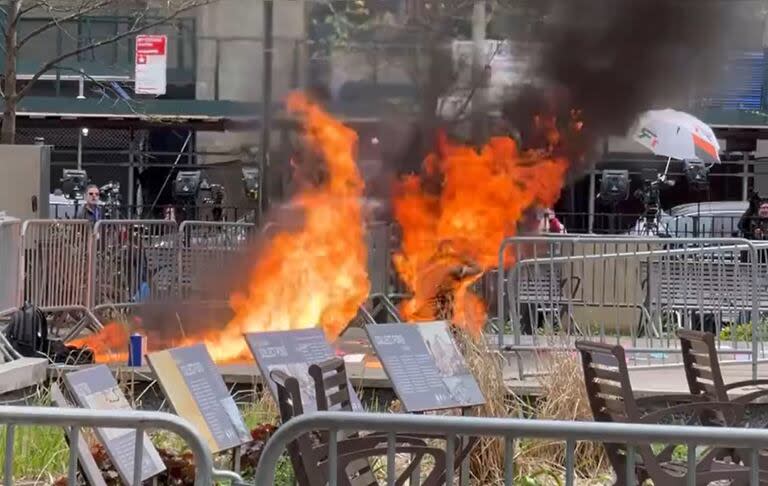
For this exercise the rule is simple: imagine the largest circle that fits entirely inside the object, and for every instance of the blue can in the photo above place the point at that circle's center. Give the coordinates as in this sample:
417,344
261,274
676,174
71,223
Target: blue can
136,349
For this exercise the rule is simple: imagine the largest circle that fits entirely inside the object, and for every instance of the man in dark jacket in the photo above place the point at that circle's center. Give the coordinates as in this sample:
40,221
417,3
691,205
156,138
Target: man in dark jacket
91,209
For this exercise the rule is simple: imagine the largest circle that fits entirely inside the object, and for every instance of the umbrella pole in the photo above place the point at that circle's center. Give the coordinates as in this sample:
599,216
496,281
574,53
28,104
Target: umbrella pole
664,177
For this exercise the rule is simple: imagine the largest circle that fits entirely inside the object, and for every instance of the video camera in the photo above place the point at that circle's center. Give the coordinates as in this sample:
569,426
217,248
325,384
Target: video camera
110,199
73,183
650,193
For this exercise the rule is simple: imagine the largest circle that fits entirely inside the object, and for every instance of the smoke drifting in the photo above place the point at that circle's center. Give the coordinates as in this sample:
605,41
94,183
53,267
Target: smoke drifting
614,59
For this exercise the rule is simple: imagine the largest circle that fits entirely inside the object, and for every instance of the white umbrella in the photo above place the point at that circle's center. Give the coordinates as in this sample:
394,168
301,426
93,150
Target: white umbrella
677,135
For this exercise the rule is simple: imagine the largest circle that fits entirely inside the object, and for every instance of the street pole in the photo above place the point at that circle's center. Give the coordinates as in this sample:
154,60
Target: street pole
479,99
79,149
266,122
131,163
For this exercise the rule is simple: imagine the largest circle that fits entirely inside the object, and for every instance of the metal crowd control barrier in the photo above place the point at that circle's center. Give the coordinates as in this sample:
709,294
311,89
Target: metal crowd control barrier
134,261
56,262
511,431
75,419
635,291
10,264
55,270
207,246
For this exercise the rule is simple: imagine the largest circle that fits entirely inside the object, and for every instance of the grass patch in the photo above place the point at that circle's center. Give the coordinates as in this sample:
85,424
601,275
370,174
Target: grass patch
742,333
40,453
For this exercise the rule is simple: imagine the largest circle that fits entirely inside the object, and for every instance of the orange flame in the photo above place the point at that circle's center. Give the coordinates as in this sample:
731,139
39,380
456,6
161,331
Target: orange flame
318,274
453,234
452,231
109,345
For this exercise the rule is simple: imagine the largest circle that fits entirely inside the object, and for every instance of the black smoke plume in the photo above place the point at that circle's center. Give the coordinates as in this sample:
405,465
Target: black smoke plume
614,59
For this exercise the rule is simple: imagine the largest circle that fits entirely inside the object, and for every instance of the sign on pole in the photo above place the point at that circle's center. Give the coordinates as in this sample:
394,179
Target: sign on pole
151,64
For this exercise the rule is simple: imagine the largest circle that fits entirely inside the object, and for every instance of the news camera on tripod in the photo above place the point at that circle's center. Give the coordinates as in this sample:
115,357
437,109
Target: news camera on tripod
110,199
650,196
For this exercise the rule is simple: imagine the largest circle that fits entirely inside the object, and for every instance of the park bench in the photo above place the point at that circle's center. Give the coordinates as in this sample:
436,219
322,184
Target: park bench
702,370
705,379
309,453
611,399
333,394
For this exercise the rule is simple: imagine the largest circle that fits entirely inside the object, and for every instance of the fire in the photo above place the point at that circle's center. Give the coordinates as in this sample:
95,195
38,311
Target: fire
453,215
452,231
109,345
316,275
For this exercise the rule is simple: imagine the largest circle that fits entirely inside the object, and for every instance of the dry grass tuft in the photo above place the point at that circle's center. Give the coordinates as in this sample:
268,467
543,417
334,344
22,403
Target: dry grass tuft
487,365
263,410
564,397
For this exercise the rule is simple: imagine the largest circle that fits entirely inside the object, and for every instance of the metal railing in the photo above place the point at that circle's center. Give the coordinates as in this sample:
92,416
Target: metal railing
205,247
75,266
75,419
133,261
704,225
202,212
56,257
10,262
635,291
511,431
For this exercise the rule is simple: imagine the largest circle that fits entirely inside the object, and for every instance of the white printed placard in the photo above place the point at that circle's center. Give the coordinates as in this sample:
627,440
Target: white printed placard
151,64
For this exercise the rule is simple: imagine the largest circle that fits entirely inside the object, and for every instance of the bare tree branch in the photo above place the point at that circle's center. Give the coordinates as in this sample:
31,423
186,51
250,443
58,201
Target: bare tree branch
32,7
136,28
57,21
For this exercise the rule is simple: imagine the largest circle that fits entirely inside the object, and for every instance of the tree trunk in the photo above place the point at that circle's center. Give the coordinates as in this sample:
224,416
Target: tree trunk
10,97
8,131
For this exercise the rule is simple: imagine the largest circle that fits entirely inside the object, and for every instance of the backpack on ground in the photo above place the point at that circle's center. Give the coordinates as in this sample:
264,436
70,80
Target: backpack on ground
28,331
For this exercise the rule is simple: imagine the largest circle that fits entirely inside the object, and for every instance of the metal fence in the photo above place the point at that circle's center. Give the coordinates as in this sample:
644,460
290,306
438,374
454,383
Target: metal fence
60,265
56,258
202,212
10,260
205,247
707,224
511,431
133,262
75,419
634,291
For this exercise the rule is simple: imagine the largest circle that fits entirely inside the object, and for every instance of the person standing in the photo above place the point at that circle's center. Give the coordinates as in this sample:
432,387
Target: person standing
548,223
91,209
